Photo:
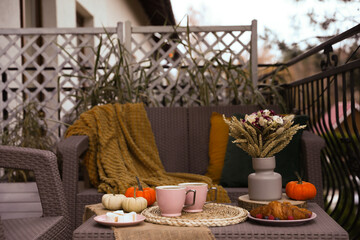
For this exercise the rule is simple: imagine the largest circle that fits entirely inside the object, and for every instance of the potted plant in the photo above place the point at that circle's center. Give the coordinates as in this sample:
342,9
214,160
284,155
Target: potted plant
262,134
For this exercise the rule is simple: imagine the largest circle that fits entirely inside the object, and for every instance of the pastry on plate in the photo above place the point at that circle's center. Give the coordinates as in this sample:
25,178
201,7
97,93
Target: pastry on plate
276,210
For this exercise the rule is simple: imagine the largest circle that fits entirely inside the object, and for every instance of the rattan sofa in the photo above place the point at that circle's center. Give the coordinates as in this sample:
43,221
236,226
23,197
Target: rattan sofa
54,224
182,138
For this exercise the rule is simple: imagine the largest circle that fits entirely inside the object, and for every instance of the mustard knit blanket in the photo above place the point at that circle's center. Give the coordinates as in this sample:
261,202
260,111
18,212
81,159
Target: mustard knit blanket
122,146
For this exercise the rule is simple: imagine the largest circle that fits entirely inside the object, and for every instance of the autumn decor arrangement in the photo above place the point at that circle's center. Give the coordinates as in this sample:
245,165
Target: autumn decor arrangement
134,200
148,193
112,201
262,134
300,190
134,203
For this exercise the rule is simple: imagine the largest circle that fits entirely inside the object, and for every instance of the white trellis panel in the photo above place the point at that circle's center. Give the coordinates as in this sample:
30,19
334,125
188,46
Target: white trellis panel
43,65
175,52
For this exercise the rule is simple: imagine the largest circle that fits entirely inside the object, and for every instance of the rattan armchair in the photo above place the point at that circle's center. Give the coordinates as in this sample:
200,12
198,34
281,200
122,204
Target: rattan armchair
54,223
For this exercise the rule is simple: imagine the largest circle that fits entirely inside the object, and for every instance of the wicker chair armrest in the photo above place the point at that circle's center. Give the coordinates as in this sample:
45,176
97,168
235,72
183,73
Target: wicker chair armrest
312,145
44,165
2,234
70,151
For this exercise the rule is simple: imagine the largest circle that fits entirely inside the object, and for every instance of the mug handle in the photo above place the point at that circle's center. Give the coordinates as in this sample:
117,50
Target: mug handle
215,189
194,191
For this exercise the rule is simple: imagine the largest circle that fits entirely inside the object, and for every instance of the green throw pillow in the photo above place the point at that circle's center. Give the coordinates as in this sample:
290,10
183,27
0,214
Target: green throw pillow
237,163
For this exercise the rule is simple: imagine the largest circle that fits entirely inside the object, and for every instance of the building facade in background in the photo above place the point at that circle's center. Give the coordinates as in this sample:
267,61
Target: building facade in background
83,13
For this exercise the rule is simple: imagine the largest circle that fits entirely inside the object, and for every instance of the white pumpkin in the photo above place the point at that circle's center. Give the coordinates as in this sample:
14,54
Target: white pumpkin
134,204
112,201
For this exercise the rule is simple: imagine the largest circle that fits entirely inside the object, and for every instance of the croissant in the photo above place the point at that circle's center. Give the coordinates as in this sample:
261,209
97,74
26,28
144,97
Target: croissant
282,211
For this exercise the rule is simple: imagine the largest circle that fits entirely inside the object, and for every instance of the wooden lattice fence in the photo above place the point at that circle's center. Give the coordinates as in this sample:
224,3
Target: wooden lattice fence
49,66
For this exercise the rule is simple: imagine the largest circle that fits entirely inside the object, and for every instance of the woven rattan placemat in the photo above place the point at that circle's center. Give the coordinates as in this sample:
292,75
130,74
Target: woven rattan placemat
213,214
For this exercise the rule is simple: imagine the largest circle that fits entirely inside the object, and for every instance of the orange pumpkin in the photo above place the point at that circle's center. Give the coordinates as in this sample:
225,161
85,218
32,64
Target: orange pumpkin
300,190
148,193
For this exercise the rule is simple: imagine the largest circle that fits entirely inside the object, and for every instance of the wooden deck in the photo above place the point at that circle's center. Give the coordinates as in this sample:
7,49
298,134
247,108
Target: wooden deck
19,200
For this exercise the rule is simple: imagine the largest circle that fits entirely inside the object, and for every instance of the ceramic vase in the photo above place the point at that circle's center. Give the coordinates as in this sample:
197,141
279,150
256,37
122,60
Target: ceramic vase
264,184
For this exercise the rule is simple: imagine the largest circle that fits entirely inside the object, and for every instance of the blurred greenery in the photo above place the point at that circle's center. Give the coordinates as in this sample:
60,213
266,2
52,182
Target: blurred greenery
28,129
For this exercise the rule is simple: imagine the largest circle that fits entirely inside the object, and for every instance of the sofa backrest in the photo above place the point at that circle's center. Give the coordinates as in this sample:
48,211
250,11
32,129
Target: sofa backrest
182,134
169,125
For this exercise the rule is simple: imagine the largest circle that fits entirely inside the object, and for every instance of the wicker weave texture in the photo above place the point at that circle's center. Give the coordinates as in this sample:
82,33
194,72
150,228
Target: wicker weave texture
2,234
89,196
55,222
70,152
92,230
169,126
323,227
35,228
311,147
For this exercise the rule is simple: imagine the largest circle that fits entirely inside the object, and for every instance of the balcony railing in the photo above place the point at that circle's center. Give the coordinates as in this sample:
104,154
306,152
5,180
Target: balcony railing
331,99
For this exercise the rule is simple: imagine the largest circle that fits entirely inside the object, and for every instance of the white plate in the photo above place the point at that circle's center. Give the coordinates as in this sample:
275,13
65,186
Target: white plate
282,222
102,220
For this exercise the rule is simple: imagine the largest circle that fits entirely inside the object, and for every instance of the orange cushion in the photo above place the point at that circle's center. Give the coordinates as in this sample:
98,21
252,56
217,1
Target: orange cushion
218,140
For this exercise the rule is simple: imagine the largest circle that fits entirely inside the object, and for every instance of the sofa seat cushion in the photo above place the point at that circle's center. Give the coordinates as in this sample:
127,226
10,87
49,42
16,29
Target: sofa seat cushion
33,228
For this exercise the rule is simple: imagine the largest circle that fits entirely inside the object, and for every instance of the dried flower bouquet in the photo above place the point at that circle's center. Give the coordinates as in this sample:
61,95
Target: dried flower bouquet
262,134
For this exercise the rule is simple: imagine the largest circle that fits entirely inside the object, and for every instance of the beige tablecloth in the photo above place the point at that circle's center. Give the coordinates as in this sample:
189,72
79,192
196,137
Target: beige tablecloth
151,231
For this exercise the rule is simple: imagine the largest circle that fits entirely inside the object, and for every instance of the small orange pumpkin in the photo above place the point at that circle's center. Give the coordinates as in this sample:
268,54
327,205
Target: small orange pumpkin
148,193
300,190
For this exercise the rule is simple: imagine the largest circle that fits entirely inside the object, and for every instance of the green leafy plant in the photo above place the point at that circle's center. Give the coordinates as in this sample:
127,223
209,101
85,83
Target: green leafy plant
206,78
29,129
114,78
271,85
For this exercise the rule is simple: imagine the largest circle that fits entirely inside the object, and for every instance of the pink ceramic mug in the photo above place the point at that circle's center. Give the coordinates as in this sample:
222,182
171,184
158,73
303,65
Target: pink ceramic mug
171,199
201,194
